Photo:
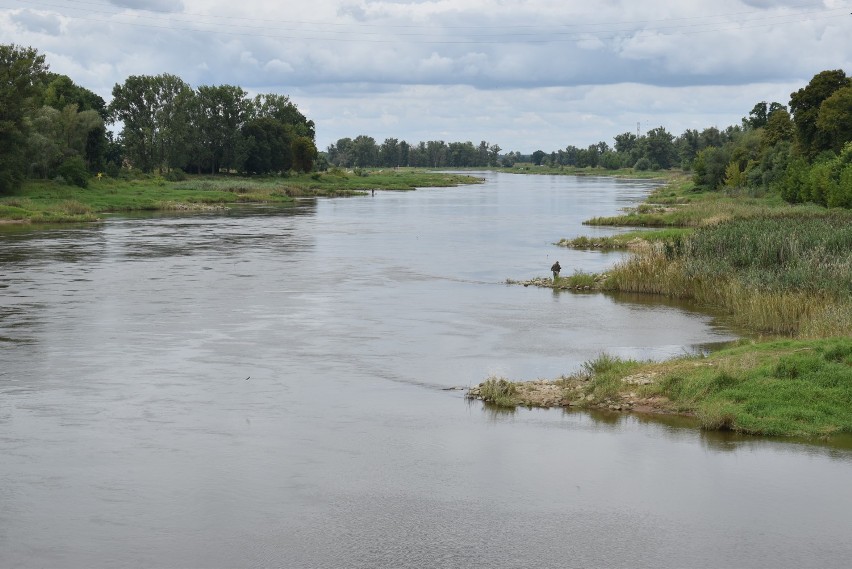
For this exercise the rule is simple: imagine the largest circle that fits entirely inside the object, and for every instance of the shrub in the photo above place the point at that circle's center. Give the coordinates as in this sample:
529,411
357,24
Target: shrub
642,164
175,175
74,171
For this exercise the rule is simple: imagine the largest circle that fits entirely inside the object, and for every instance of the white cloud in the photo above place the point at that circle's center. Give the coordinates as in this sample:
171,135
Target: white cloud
150,5
521,73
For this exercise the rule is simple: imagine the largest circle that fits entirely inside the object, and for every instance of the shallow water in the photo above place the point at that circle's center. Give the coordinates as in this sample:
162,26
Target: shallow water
267,388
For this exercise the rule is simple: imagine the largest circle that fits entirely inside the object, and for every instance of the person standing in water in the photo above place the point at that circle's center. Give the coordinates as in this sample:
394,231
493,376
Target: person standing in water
555,268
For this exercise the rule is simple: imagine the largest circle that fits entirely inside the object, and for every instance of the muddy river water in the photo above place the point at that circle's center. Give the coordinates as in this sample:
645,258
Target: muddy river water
269,388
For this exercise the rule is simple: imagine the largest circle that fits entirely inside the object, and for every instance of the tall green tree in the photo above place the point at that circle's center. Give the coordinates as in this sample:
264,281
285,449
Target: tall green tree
779,128
154,114
341,153
22,71
60,91
709,167
365,152
389,153
281,108
304,154
436,153
658,147
834,120
805,105
220,113
268,146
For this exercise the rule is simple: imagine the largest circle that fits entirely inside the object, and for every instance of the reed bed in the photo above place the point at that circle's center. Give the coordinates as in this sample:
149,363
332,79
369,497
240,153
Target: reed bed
778,274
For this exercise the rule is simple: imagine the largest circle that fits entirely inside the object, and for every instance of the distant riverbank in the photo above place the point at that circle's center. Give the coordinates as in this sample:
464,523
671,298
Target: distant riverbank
49,201
782,272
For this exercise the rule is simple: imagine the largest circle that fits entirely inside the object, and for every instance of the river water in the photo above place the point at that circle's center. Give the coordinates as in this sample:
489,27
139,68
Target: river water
268,388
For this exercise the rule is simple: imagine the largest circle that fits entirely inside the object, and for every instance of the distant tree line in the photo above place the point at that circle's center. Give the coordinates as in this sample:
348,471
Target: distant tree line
802,150
363,151
49,126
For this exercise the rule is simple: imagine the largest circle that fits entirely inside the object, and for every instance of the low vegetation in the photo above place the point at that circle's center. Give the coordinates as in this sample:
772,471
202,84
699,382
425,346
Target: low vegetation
781,271
774,268
781,388
628,240
50,201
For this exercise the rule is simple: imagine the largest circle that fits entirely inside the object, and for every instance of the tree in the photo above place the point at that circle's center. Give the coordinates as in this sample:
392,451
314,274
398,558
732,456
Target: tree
404,153
625,143
389,153
537,157
280,107
22,70
304,154
758,116
155,114
805,105
436,153
658,147
172,119
55,135
834,119
710,136
687,145
779,128
340,154
60,91
710,166
365,152
219,113
494,155
43,142
268,146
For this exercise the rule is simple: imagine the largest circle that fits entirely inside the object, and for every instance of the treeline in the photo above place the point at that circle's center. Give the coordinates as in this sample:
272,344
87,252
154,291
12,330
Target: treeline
363,151
50,127
802,150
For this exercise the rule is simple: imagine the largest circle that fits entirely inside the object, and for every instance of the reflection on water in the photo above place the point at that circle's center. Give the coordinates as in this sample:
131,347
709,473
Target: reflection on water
268,388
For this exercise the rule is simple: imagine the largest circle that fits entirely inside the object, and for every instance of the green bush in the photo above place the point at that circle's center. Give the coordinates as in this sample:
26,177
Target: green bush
175,175
642,165
74,171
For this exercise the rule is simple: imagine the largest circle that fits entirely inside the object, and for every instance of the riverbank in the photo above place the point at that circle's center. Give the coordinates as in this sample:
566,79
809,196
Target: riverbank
782,387
777,270
48,201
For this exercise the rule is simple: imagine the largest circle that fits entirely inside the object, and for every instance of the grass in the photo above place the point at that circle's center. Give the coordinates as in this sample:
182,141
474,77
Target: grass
775,269
626,240
680,204
778,275
45,201
499,392
794,387
578,280
529,168
604,375
780,388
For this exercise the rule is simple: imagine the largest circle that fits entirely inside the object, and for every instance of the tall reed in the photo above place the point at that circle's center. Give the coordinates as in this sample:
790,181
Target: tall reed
773,274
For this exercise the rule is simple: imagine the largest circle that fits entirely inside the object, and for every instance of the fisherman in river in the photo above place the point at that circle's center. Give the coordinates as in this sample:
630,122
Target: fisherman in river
555,268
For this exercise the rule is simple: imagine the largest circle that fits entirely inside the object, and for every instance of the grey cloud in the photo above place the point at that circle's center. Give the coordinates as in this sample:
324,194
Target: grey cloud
38,23
767,4
150,5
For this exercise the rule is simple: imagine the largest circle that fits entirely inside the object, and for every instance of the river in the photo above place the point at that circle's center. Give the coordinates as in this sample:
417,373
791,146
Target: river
269,388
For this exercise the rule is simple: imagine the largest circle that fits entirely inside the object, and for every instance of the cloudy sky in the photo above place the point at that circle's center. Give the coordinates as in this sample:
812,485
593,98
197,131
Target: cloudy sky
524,74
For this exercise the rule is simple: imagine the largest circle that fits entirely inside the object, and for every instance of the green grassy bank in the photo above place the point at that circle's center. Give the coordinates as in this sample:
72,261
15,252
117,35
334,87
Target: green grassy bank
47,201
774,269
780,388
780,271
530,168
